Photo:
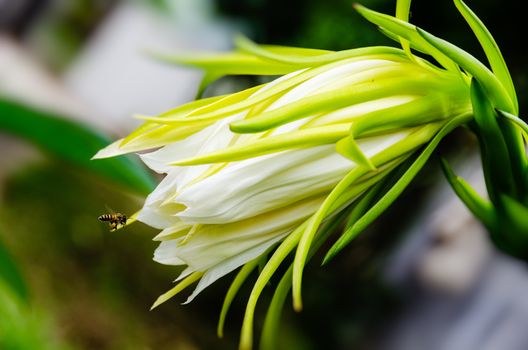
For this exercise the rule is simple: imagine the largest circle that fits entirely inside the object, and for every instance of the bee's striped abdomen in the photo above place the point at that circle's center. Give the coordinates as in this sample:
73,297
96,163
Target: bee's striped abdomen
106,217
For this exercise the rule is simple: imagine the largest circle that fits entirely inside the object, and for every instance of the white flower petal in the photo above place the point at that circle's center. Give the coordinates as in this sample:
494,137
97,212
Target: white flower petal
312,85
164,254
210,139
210,245
226,266
254,186
251,187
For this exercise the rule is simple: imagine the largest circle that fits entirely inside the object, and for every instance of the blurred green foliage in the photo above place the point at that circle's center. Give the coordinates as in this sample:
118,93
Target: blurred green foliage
73,142
10,274
21,327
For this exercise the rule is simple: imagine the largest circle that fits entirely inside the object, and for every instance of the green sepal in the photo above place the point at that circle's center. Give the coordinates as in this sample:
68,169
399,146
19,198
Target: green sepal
522,175
426,109
409,32
308,57
374,194
491,49
515,120
186,282
512,234
196,113
349,148
270,330
517,217
481,208
303,138
276,259
240,278
268,339
403,8
231,63
496,161
388,198
335,99
470,64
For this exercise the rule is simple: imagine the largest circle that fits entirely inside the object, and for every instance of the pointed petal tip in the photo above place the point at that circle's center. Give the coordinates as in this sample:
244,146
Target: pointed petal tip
103,153
157,303
330,255
109,151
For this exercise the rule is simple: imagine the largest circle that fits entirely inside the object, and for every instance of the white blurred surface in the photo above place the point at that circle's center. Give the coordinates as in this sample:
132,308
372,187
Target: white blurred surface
116,77
25,80
460,293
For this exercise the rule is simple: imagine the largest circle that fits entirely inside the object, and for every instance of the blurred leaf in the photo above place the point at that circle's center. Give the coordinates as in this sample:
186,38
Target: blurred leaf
391,195
481,208
517,214
23,327
72,142
11,275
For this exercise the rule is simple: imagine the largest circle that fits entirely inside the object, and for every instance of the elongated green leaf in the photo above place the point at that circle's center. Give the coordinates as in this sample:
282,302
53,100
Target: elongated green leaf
481,208
518,122
516,214
267,53
515,120
296,139
495,154
240,278
310,231
474,67
417,137
72,142
284,249
231,63
426,109
377,209
407,31
519,160
294,51
493,53
240,63
349,148
416,45
268,339
186,282
403,7
203,113
11,275
377,191
363,91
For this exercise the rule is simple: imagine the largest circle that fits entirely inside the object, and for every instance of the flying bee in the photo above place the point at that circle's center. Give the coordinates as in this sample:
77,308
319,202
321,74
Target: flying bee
113,219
